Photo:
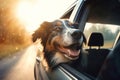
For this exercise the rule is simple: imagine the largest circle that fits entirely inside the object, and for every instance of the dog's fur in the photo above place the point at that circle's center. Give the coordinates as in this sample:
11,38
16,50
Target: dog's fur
61,41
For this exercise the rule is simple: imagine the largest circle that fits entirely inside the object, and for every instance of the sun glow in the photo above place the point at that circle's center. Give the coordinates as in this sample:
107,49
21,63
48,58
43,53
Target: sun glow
28,14
33,12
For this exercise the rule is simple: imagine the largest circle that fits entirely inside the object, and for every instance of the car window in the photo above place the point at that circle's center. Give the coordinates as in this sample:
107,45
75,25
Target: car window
103,19
109,32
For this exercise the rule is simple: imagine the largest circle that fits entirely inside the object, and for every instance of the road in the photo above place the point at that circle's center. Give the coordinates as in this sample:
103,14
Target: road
20,66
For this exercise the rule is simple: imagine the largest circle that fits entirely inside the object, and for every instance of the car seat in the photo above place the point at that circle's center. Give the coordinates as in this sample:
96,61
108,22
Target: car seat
111,67
96,55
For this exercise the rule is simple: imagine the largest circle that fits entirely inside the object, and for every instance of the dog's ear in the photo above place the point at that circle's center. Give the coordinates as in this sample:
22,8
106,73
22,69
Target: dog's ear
42,32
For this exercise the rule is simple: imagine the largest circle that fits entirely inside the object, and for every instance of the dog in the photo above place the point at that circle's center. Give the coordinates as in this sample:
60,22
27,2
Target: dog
61,40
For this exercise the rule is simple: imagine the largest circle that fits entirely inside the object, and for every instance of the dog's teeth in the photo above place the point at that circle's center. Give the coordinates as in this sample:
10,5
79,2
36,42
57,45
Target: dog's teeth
68,57
68,52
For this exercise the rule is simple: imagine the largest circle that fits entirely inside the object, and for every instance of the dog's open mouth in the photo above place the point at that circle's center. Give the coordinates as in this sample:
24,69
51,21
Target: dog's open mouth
71,52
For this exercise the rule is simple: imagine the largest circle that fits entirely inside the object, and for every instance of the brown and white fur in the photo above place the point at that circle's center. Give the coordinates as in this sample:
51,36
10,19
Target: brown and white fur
61,41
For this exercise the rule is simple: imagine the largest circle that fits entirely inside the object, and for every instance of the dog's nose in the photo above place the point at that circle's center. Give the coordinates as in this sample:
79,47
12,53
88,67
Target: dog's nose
76,34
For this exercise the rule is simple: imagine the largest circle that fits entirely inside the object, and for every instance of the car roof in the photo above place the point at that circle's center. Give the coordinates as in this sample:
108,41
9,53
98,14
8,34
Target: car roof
112,7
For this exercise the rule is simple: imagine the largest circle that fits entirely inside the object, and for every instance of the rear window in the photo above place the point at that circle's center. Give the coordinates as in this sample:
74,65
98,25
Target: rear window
109,32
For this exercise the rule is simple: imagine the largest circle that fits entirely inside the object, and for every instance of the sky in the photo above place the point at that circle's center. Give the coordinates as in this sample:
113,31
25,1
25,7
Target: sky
33,12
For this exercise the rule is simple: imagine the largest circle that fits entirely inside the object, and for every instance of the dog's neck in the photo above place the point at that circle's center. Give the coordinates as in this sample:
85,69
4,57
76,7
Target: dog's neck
60,58
54,61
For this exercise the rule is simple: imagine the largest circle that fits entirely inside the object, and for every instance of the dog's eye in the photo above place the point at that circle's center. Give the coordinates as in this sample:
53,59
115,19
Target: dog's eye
57,28
75,25
70,25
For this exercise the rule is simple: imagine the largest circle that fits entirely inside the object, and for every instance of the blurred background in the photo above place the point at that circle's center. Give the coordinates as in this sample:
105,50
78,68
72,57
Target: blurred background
20,18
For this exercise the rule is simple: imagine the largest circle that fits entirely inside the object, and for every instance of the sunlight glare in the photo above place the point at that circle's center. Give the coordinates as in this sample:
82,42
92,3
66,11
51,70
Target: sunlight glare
27,14
33,12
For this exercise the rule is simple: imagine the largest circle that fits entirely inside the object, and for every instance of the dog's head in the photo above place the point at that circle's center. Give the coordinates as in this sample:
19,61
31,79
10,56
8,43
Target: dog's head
61,39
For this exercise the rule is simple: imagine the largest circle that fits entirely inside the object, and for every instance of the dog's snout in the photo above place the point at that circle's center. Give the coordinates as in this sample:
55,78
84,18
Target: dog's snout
76,34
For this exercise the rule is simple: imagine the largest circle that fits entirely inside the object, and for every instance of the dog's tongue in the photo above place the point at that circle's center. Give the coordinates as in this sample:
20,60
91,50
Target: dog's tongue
72,53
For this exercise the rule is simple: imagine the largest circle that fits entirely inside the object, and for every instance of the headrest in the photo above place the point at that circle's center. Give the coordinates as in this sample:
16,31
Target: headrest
96,39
